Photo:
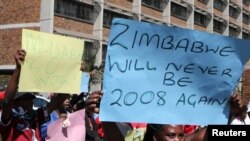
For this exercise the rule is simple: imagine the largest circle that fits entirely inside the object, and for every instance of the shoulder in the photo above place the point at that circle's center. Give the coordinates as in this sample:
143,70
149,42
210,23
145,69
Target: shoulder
197,135
236,121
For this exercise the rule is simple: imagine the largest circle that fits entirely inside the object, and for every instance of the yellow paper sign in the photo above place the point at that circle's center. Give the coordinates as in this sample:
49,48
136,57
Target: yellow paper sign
135,134
52,63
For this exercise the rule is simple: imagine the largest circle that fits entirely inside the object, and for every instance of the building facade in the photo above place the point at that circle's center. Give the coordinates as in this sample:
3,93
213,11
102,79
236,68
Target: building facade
91,19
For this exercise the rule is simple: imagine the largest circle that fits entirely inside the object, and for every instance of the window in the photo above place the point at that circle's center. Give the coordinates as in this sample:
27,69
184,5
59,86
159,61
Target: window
179,11
233,31
158,4
87,50
233,12
245,36
218,4
73,9
200,19
104,53
246,18
247,2
218,26
109,15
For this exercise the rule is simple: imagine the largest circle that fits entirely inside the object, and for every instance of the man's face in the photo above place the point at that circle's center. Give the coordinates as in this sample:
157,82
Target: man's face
171,133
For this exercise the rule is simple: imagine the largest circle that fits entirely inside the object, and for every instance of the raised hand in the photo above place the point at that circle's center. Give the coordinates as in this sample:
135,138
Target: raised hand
19,57
93,102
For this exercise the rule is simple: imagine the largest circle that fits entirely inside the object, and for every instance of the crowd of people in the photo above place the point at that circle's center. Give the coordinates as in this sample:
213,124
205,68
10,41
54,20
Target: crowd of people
20,122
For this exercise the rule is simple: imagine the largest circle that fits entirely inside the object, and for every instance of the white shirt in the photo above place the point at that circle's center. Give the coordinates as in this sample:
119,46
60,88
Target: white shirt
246,121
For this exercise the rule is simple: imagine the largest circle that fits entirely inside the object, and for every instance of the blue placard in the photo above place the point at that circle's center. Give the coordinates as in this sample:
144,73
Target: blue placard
85,82
161,74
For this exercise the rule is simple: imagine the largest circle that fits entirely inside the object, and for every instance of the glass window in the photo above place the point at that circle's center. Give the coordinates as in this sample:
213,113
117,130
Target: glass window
245,36
154,3
178,10
109,15
87,50
233,12
199,19
233,32
245,18
218,26
73,9
218,4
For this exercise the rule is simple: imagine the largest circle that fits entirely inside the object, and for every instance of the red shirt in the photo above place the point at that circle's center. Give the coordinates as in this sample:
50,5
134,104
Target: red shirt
12,132
2,95
138,125
99,127
188,129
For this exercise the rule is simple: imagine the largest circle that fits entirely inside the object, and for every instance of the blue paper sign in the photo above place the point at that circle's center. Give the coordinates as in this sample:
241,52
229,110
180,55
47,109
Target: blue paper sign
169,75
85,82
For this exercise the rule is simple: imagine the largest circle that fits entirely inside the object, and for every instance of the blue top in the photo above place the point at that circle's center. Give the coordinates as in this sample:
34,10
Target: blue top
53,117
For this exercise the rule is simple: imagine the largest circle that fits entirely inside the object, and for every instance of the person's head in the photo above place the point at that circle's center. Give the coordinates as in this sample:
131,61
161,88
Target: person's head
66,104
24,100
167,132
64,99
237,107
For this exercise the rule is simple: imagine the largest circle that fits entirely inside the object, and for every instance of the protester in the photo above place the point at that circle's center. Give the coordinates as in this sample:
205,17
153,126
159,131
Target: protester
92,106
157,132
60,111
167,132
112,132
26,117
68,128
18,120
91,128
239,114
71,105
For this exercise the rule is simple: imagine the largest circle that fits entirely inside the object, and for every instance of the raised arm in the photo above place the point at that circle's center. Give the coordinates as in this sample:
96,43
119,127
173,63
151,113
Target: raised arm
12,86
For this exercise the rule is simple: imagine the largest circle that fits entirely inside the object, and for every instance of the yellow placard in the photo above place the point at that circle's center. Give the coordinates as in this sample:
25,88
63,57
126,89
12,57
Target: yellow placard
135,134
52,63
